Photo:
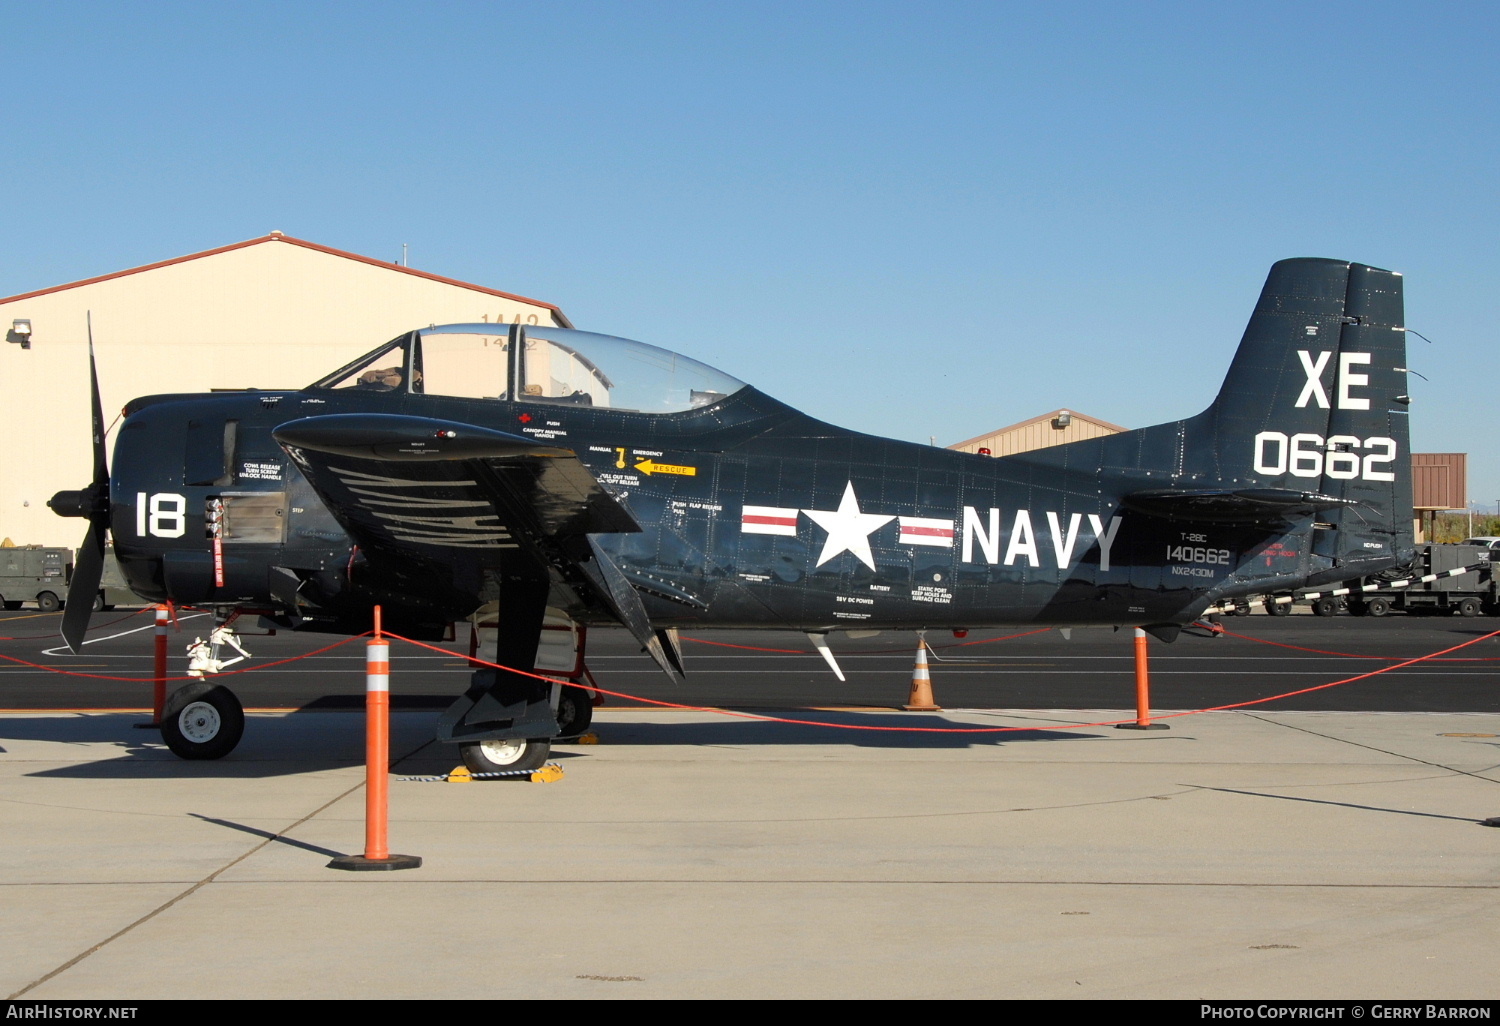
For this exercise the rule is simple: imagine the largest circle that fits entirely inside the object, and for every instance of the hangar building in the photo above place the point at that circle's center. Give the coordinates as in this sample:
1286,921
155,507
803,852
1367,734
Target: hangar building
271,312
1053,428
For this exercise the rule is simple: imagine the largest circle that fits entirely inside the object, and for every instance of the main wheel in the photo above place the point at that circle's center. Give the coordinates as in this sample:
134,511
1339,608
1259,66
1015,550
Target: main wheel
48,602
1326,607
1468,607
574,711
1377,606
202,721
493,756
99,602
1278,608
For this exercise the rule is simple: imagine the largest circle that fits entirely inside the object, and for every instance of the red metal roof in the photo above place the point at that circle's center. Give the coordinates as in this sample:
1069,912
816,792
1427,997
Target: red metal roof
279,237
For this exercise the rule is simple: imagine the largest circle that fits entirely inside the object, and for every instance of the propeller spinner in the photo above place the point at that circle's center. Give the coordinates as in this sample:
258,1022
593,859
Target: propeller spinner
91,502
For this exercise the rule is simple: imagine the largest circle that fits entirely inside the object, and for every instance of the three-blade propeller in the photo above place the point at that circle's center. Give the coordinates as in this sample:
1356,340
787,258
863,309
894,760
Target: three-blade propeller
93,503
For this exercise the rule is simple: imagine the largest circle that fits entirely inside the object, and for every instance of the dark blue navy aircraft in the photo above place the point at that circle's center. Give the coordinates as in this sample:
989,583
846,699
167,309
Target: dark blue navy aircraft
549,475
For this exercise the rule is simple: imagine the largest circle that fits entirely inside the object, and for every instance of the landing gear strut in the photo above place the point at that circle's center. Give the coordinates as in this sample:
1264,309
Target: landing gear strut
203,720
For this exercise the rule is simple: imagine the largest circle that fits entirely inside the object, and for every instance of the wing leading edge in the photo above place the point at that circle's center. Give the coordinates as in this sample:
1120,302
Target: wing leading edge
440,502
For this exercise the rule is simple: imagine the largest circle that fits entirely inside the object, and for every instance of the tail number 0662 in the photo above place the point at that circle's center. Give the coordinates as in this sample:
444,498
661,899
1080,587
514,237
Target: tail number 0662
1343,457
162,515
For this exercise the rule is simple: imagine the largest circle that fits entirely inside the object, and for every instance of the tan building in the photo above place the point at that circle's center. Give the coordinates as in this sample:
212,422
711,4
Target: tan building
272,312
1439,482
1053,428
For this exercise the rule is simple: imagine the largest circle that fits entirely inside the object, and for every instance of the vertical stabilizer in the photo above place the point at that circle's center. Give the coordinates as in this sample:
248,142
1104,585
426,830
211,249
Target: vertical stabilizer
1316,401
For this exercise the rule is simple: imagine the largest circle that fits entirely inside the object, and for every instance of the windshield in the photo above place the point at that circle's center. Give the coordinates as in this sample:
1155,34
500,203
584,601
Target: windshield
551,365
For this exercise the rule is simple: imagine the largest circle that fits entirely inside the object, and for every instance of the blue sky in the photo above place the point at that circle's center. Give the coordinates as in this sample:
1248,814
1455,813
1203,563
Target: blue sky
917,219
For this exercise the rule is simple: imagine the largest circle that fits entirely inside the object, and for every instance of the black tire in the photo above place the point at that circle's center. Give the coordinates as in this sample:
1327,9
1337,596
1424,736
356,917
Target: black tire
1278,608
494,756
1468,607
1377,607
1241,610
574,711
1326,607
99,602
202,721
48,602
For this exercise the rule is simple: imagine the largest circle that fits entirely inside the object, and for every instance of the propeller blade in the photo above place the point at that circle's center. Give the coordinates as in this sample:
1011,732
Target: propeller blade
92,502
101,465
88,571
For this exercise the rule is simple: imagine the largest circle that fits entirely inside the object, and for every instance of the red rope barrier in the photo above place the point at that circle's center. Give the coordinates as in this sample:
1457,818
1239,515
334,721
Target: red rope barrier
957,730
153,679
861,651
92,627
1351,655
747,648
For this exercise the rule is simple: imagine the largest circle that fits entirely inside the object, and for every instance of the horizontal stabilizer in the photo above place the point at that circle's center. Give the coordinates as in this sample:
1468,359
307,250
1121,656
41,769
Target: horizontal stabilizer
1240,506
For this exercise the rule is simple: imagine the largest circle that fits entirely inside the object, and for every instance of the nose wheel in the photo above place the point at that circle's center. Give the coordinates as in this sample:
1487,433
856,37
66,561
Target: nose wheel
202,721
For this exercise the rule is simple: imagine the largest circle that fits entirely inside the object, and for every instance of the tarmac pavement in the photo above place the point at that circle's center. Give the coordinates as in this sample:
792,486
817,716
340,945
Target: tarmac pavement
1247,854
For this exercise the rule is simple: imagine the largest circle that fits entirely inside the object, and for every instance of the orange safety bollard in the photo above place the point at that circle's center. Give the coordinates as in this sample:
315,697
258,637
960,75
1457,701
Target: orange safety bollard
377,854
159,688
1142,690
159,672
921,699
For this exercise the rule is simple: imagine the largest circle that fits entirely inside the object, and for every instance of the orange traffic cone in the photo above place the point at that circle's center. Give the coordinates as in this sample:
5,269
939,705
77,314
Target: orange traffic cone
921,681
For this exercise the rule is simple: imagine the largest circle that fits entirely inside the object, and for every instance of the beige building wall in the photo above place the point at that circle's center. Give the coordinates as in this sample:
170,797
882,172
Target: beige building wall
1039,433
273,312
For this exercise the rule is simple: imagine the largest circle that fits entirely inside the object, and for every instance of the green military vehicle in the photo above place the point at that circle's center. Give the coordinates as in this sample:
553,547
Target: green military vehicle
40,574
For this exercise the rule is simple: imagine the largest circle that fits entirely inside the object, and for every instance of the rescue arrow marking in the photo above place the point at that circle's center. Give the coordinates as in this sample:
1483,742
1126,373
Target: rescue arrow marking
648,468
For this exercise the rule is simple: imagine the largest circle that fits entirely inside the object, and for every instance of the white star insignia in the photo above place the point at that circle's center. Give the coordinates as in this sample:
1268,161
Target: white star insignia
848,529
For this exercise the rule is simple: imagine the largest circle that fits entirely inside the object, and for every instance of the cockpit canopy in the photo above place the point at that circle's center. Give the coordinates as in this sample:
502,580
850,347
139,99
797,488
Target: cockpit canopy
537,365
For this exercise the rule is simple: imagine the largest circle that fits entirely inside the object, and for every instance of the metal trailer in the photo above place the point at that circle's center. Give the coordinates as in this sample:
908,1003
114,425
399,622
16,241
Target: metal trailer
35,573
1467,594
113,591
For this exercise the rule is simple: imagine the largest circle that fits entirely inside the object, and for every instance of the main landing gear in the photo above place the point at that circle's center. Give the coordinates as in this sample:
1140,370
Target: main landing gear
575,711
493,756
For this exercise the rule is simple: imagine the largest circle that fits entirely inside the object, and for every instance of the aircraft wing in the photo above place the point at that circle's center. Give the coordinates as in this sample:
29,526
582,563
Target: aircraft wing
445,501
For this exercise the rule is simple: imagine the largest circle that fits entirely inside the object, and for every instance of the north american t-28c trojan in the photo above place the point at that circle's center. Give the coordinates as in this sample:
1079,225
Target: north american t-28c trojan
538,475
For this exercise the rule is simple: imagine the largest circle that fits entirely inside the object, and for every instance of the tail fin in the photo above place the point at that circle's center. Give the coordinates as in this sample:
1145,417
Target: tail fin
1315,402
1308,436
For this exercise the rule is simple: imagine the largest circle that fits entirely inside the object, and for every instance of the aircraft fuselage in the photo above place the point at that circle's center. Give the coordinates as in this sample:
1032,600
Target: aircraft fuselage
754,515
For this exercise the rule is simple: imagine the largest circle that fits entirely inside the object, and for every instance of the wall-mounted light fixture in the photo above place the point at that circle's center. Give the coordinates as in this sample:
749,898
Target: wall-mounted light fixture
1062,420
20,331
